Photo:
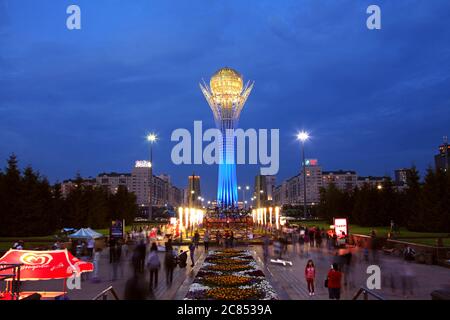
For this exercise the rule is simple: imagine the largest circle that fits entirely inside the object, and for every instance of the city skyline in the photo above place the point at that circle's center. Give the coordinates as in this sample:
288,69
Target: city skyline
376,112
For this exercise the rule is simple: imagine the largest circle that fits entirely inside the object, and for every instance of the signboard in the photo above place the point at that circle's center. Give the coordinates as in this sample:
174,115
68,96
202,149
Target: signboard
117,229
142,164
311,162
340,225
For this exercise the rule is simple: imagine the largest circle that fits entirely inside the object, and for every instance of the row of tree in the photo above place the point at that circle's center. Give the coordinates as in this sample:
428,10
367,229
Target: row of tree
31,206
421,206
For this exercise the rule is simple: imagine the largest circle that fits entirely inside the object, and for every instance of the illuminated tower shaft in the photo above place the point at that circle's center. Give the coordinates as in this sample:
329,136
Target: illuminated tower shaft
226,96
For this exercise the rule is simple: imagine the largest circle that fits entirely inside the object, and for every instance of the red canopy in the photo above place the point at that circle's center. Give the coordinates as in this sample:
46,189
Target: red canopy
45,265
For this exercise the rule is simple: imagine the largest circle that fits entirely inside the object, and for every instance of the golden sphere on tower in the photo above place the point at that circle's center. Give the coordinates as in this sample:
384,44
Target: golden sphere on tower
226,81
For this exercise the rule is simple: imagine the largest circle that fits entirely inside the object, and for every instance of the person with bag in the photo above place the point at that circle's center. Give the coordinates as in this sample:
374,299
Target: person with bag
333,282
310,275
153,264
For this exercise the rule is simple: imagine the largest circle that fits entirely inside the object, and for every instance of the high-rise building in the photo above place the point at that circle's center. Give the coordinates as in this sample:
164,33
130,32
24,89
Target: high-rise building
313,182
194,191
343,180
290,192
140,183
226,95
442,159
263,192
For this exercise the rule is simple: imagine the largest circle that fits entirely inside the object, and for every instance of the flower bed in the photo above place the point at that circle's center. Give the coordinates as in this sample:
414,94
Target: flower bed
230,274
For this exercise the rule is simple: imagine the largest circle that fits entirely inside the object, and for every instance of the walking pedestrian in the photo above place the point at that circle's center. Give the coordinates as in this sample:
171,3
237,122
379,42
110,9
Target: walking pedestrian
310,276
169,265
206,241
153,264
192,252
334,282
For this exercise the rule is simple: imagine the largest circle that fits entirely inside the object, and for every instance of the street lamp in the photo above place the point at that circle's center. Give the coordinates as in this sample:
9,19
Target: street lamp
151,138
303,136
243,192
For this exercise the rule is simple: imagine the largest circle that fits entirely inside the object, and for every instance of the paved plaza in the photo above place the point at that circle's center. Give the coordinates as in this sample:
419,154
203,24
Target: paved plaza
289,282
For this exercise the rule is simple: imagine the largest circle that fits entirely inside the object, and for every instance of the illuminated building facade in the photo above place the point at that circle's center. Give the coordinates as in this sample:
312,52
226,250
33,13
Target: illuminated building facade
226,95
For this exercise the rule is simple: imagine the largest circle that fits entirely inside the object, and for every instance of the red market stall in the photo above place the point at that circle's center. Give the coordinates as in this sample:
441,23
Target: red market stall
44,265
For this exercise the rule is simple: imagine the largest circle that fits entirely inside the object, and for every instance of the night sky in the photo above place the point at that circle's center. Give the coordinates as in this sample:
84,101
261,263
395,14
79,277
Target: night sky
83,100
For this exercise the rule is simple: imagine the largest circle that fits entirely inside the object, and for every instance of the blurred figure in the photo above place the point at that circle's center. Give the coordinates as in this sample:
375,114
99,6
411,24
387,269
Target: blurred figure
278,248
182,259
141,251
90,247
295,240
135,288
96,262
310,276
301,241
266,243
311,235
153,265
168,245
196,238
366,254
407,280
334,282
318,238
169,265
192,252
206,240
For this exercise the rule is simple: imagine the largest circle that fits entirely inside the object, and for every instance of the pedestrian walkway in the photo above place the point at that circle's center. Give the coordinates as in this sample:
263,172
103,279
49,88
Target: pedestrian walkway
395,275
89,289
289,281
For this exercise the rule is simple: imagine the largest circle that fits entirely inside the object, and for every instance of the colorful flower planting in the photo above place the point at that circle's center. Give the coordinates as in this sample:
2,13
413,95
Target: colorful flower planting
230,274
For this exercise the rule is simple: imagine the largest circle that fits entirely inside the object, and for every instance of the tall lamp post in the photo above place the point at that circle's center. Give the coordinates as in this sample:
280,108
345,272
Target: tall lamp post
303,136
151,138
243,193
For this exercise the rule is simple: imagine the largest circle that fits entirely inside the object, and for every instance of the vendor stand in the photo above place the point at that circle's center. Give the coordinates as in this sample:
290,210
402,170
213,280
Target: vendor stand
40,265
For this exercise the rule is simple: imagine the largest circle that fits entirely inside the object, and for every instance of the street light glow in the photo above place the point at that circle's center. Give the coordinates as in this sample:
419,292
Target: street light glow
303,136
152,137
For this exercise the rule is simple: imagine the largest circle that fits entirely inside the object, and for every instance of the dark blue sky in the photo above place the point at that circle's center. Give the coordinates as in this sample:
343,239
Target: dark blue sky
83,100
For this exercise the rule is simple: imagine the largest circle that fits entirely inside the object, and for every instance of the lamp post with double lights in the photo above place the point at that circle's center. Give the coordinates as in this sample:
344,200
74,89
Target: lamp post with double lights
243,194
303,136
151,138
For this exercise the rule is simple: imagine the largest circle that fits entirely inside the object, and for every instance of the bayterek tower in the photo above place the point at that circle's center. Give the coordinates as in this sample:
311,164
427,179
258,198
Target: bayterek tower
226,95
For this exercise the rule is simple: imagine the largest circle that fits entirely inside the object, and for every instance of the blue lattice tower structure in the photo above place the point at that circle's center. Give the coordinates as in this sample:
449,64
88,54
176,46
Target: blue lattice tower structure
226,95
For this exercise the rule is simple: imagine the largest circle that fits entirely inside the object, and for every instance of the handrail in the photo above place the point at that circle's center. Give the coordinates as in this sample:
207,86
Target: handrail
104,294
366,292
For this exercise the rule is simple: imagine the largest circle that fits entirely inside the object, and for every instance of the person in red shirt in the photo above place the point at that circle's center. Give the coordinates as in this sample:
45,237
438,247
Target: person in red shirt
310,275
334,282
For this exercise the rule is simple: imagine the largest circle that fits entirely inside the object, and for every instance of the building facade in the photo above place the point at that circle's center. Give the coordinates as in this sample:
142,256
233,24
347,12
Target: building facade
137,182
343,180
442,159
194,192
263,191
